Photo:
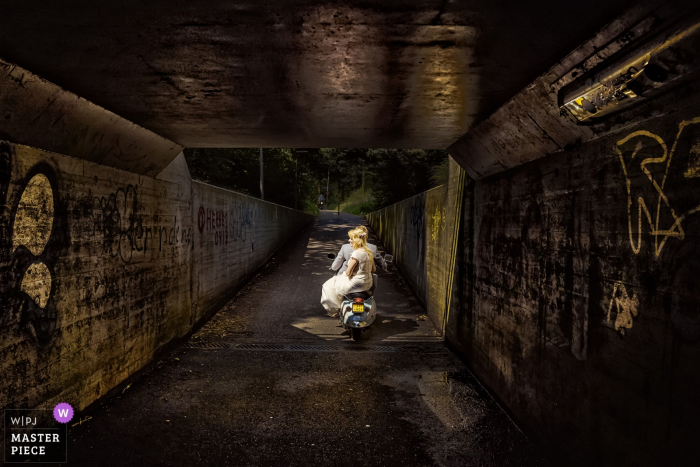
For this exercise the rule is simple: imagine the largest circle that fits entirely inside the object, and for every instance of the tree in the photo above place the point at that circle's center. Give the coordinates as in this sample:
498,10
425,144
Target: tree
391,174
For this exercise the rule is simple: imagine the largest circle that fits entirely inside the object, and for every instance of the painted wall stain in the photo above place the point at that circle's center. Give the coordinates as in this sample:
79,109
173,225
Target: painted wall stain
32,229
37,284
236,223
29,254
693,170
34,217
215,220
243,218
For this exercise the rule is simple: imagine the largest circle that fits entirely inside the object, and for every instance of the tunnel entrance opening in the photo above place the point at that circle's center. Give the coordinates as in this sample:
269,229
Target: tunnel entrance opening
343,188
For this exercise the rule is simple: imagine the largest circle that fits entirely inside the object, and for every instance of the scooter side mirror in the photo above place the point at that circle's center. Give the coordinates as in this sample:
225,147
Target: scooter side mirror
388,258
331,255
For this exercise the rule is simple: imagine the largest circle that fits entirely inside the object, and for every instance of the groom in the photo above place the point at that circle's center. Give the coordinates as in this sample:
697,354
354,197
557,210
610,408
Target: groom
341,261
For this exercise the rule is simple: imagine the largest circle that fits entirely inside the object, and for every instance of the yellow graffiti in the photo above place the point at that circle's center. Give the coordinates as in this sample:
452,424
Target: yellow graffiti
438,223
34,218
694,163
37,284
625,307
676,229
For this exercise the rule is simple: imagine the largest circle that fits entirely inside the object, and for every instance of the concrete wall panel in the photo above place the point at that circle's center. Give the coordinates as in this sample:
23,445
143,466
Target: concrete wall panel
421,234
44,115
117,261
101,268
235,235
576,294
402,228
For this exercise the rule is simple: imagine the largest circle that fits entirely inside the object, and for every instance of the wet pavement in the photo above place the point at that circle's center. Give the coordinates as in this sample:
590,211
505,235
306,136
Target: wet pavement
271,380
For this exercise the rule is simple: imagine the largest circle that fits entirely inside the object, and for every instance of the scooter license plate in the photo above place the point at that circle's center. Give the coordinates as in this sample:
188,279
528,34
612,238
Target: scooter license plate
358,308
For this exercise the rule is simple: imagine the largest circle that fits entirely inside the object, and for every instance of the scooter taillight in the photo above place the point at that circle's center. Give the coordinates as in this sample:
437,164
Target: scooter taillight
358,300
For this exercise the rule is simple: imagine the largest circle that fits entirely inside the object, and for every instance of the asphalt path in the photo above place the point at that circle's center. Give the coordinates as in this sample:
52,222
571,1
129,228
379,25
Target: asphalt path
271,380
282,303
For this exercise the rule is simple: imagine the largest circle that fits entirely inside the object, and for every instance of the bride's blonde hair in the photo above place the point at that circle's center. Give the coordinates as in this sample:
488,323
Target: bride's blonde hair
359,241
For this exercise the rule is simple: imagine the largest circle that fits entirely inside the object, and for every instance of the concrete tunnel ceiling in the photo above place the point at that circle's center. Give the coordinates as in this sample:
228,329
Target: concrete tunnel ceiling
308,73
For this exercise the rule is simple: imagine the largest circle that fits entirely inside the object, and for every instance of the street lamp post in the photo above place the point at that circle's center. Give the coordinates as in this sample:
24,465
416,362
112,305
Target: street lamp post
296,177
262,191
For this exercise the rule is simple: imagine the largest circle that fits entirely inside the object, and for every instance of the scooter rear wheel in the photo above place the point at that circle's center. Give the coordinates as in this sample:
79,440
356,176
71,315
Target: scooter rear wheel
355,334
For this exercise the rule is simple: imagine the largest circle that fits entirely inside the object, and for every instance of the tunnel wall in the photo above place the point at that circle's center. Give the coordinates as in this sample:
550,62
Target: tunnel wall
402,228
420,232
100,269
576,296
46,116
236,234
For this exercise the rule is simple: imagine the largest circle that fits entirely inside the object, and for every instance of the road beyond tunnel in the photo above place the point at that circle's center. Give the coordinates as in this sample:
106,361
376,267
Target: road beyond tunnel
271,380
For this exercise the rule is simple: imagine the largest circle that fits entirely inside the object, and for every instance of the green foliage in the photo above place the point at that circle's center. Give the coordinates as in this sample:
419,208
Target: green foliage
402,173
235,169
440,174
311,207
238,169
359,201
391,174
382,176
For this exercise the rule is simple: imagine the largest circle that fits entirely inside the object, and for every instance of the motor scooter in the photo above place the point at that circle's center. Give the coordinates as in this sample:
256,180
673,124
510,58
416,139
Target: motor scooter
359,309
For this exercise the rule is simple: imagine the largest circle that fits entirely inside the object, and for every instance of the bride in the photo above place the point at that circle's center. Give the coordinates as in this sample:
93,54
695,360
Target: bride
357,278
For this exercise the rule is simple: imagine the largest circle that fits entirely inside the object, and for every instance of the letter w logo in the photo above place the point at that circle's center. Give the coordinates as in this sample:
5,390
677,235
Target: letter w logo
63,413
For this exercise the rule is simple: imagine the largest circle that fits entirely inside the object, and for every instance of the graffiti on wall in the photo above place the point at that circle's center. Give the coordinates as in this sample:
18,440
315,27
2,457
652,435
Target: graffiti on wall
29,253
117,219
438,223
235,225
418,219
656,207
213,220
32,229
622,308
243,217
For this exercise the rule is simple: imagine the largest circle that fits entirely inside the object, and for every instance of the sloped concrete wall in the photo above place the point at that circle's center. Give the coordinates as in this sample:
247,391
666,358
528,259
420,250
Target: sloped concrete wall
117,247
100,269
235,235
577,298
421,234
46,116
402,227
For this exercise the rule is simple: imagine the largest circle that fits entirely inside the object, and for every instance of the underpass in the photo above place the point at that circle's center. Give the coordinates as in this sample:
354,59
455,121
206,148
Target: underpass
272,380
557,267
